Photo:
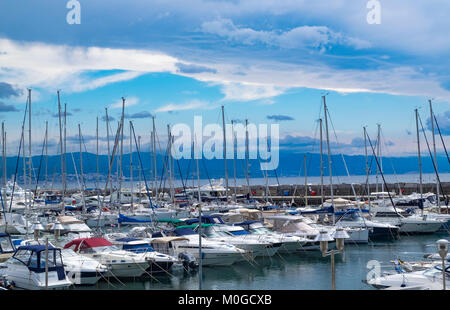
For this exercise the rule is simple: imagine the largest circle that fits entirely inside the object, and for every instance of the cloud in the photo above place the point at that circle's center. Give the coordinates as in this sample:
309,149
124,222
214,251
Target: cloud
280,117
192,68
443,121
245,91
311,37
56,115
190,105
142,114
306,143
89,138
110,118
357,142
67,67
7,90
130,101
7,107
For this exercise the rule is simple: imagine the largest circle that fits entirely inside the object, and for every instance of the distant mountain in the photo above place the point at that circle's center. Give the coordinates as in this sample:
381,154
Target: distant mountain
290,164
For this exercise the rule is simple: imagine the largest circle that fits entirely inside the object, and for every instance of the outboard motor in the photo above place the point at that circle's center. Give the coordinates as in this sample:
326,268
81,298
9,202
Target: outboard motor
189,261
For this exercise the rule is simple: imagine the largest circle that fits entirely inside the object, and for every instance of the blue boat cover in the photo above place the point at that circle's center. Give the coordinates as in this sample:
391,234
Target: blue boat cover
35,248
184,231
126,219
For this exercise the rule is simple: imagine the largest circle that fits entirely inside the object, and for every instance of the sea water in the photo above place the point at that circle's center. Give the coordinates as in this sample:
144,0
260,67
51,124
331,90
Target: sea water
297,271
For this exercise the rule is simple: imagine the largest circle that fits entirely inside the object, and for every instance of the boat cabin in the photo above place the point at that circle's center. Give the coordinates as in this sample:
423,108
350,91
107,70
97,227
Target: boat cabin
135,245
34,257
168,245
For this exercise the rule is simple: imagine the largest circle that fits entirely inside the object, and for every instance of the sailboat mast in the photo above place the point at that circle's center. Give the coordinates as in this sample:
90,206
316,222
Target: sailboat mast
367,165
4,153
169,154
435,156
247,154
81,171
306,183
131,166
420,159
321,160
46,154
65,150
29,140
155,170
234,161
121,151
140,172
98,168
329,155
378,156
109,151
61,145
200,254
225,152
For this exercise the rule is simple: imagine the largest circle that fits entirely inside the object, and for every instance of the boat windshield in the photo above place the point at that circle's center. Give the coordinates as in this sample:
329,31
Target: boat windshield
54,259
212,233
101,249
5,245
260,231
354,217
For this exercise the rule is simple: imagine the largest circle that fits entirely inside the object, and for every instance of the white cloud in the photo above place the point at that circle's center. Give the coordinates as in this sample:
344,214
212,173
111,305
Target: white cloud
190,105
129,101
243,91
317,37
67,67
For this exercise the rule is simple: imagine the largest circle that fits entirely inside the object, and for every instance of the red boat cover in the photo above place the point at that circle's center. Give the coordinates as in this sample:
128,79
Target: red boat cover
86,243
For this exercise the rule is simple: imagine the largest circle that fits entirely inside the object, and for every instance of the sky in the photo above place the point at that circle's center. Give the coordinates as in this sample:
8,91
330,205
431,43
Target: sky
264,60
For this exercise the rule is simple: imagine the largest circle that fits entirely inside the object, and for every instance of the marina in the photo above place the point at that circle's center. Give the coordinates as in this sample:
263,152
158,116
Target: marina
233,145
142,234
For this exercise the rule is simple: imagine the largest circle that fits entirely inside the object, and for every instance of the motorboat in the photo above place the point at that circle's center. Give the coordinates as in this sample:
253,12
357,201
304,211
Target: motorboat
213,253
120,263
295,225
377,230
258,247
14,223
70,224
289,243
409,224
428,279
159,262
28,267
80,270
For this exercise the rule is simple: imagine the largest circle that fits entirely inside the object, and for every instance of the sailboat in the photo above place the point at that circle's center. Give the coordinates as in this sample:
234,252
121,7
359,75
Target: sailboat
386,211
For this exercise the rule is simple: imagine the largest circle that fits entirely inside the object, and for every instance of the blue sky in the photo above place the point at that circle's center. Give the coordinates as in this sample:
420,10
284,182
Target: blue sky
266,61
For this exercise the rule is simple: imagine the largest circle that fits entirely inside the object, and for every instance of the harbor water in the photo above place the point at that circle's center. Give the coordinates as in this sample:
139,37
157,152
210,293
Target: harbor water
296,271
